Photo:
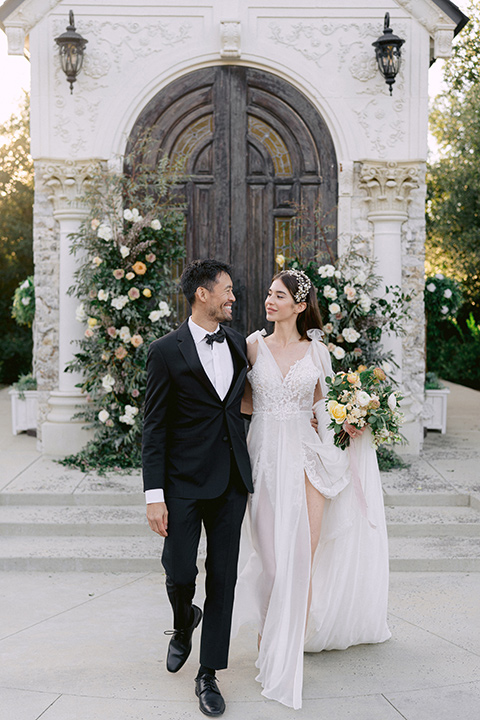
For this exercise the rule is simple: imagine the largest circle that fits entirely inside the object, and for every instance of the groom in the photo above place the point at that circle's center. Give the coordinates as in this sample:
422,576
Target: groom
196,467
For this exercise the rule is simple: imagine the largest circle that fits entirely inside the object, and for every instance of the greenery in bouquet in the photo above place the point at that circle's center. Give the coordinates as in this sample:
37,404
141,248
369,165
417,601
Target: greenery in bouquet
353,313
128,248
23,307
364,398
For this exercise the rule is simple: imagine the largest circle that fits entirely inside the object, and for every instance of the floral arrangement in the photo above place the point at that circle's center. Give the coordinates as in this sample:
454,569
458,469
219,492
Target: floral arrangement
361,398
124,286
443,297
23,308
354,316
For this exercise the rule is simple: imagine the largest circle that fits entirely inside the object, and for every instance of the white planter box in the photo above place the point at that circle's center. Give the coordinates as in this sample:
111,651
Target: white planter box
24,411
436,409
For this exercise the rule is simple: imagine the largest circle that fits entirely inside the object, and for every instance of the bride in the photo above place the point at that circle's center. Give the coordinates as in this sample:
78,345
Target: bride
313,569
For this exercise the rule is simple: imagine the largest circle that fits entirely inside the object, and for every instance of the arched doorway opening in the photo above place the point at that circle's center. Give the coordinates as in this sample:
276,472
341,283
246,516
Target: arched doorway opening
257,150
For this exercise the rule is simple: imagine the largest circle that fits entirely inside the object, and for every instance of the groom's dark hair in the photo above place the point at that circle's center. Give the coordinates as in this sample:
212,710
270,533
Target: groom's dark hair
202,273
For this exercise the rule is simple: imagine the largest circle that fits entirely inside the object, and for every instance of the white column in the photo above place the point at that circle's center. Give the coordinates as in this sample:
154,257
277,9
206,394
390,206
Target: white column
388,187
61,433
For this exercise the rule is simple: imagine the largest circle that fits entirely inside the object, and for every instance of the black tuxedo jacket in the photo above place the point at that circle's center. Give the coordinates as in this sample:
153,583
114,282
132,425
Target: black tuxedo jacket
188,430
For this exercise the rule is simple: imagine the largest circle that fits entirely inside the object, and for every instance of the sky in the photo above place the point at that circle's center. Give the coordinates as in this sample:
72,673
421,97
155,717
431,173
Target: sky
15,75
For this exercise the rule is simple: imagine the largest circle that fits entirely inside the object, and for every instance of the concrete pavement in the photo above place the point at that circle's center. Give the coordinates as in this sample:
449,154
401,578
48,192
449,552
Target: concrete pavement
90,645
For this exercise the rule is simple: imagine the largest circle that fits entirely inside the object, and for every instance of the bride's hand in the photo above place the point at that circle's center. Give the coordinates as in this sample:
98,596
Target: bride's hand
314,423
353,431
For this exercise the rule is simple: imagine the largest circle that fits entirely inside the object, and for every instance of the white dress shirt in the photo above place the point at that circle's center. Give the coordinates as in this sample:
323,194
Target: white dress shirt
217,362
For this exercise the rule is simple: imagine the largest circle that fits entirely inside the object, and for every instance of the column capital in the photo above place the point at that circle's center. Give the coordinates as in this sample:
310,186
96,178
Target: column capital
387,185
66,182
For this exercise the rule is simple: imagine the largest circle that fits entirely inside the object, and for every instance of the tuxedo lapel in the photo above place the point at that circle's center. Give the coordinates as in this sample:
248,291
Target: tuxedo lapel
186,345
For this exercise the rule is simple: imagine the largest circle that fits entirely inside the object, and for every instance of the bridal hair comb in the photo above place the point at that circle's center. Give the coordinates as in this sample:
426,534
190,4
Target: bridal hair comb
304,284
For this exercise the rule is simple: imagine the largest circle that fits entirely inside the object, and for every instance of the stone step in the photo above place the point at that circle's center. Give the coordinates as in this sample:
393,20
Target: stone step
423,499
434,554
95,520
436,521
79,499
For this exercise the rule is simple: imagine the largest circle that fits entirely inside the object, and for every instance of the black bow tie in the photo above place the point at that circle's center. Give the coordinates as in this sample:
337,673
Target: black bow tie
218,336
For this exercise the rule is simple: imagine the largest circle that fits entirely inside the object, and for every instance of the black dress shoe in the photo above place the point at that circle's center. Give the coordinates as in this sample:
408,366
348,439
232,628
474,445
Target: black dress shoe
180,646
210,698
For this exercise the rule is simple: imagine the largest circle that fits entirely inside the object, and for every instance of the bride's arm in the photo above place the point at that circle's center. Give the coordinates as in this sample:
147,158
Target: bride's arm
247,405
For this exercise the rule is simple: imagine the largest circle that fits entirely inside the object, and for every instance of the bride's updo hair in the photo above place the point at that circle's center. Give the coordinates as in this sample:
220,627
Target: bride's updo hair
302,289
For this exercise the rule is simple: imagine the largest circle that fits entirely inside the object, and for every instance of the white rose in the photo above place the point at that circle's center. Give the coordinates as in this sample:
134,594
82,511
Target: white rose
431,287
334,308
326,271
392,401
124,334
338,353
105,232
363,398
108,382
120,302
136,217
127,419
439,276
350,335
155,315
80,314
127,214
124,251
131,410
156,225
444,310
164,309
350,292
26,301
365,302
97,261
24,285
103,415
360,279
102,295
447,293
337,274
330,292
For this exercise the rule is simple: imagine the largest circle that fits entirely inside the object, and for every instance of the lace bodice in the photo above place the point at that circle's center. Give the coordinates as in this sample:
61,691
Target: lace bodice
279,396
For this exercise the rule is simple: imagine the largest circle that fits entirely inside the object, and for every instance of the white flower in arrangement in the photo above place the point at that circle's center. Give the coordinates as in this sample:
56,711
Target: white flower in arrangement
350,292
136,217
330,292
447,293
127,214
24,285
337,274
334,308
80,314
25,301
119,302
338,353
360,279
124,251
103,416
350,335
326,271
108,382
328,328
392,401
365,302
97,261
129,417
105,232
156,225
164,309
439,276
363,398
155,316
431,287
444,310
102,295
124,333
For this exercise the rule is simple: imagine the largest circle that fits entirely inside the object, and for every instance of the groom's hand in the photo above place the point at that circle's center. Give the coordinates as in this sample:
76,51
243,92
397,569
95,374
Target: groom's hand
157,516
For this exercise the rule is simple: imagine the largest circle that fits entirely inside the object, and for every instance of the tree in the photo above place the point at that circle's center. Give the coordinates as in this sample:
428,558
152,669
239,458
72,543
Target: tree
453,207
16,244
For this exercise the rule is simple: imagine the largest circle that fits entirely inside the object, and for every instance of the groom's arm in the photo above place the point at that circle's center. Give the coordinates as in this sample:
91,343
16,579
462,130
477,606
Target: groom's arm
155,421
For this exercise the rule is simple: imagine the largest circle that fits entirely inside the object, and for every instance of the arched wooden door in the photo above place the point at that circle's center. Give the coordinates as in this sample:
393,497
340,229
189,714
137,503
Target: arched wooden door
256,151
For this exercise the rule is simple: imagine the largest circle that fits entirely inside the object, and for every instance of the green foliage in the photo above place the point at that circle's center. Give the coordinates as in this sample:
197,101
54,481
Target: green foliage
453,204
432,382
124,286
23,308
354,316
16,245
389,460
24,384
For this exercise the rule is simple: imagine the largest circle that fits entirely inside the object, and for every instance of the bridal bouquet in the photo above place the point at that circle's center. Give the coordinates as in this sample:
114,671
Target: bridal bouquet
361,398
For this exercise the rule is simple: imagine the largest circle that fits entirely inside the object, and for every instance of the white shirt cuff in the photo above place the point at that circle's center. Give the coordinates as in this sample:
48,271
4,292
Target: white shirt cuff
154,496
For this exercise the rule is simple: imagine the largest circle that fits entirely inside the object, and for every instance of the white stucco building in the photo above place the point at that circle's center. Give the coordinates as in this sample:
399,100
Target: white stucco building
275,102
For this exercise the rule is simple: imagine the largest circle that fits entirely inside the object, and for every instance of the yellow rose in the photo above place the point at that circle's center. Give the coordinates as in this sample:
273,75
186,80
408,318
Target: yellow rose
361,368
352,378
280,260
339,413
91,322
331,404
140,268
147,292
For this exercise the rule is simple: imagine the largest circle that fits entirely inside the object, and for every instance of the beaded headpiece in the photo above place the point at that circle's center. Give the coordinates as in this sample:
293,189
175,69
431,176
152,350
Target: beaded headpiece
304,284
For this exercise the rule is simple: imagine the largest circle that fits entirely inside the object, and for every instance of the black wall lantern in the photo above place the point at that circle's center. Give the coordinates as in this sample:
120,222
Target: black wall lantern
388,53
71,45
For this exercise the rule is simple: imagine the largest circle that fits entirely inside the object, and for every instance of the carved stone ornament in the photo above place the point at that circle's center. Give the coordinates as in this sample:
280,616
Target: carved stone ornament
388,185
66,182
16,39
230,36
443,43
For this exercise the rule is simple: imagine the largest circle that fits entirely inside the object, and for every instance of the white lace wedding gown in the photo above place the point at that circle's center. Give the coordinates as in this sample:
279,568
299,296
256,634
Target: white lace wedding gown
350,569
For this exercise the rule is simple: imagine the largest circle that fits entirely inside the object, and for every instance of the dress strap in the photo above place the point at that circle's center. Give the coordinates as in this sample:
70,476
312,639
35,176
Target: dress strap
256,336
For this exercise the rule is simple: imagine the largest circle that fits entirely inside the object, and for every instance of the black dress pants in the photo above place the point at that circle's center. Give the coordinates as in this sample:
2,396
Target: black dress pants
222,518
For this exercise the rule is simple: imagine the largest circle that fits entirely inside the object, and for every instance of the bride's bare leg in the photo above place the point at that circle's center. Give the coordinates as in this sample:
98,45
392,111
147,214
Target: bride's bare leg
315,507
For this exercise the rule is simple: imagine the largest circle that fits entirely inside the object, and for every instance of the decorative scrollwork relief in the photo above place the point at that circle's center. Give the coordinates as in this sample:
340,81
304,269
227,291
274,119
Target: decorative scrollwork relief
388,185
230,35
66,181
